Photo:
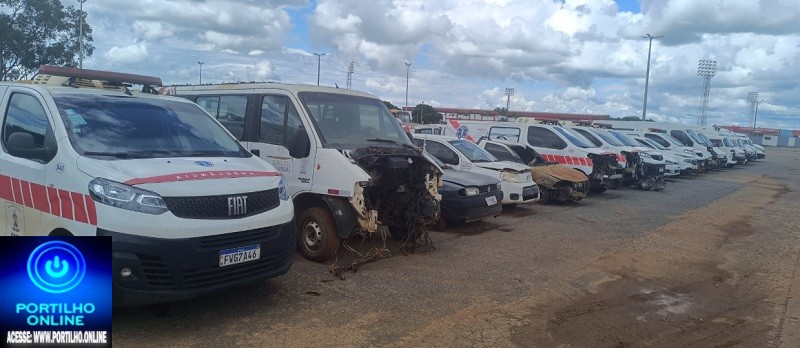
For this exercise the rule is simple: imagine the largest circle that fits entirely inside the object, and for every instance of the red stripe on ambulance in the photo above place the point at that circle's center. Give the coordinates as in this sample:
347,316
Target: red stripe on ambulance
55,202
79,209
5,188
66,204
206,175
90,210
61,203
39,194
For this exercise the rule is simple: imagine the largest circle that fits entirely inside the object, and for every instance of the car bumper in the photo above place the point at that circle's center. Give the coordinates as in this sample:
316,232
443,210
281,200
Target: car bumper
167,270
519,193
472,208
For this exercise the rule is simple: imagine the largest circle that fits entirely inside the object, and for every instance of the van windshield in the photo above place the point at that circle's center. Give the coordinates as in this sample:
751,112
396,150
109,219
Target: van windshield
653,144
624,138
695,137
349,121
125,127
672,140
706,139
727,142
577,140
473,152
607,138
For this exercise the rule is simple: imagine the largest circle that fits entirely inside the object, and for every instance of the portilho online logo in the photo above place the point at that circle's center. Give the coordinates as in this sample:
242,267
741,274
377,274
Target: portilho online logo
56,267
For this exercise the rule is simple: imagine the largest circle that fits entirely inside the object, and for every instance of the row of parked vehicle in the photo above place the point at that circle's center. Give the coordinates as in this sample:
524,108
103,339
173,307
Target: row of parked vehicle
207,187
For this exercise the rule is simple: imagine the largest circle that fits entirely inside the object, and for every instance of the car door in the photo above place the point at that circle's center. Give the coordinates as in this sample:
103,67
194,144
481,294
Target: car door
280,128
22,190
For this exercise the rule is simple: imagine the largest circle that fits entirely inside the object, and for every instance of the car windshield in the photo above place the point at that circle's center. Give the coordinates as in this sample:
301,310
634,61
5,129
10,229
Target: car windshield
672,140
717,142
706,139
695,137
126,127
607,137
526,154
654,144
624,138
574,138
348,121
727,142
473,152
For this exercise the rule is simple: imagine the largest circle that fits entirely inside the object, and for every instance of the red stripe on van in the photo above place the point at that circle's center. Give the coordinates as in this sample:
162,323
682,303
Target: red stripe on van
80,210
5,188
27,200
66,204
39,194
55,202
206,175
16,190
90,210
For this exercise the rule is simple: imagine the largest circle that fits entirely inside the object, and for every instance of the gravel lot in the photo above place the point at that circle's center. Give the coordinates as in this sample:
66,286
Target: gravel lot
710,261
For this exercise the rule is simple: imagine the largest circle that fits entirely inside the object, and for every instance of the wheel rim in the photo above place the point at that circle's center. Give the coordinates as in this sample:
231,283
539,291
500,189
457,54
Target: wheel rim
312,235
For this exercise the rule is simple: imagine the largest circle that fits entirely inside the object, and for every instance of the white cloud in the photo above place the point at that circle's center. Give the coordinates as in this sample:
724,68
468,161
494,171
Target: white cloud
131,54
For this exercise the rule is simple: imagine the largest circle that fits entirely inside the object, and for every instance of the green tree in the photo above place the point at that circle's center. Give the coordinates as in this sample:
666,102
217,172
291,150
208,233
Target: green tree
390,106
502,110
426,114
36,32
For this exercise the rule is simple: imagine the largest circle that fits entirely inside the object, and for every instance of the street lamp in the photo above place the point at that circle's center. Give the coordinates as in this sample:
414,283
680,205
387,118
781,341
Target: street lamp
647,75
509,93
80,38
755,116
319,56
706,69
408,66
201,71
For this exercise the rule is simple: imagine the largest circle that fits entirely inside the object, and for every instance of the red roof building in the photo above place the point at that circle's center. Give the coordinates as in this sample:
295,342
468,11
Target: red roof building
749,130
492,115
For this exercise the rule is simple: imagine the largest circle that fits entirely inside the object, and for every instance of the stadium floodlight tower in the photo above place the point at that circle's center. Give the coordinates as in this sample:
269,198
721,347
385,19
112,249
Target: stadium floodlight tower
509,93
350,69
752,99
706,69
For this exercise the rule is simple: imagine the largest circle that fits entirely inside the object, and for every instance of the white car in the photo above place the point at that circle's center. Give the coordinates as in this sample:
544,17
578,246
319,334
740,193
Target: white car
515,178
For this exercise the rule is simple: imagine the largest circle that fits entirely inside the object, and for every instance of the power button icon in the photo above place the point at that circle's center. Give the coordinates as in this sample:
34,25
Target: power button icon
56,267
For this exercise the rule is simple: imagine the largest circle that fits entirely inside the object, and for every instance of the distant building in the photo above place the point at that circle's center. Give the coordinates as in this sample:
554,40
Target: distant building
492,115
767,136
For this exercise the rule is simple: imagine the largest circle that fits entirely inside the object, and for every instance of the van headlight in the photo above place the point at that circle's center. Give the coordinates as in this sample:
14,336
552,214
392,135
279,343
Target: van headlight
644,154
126,197
671,162
470,191
689,152
282,193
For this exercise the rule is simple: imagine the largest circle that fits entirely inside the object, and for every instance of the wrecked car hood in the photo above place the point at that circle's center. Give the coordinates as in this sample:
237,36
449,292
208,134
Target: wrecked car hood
560,172
503,165
465,178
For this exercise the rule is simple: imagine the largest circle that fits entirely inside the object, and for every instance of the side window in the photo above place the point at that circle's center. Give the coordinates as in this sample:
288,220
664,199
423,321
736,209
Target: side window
437,131
423,131
500,152
658,139
273,109
504,133
229,110
543,137
26,115
442,152
589,136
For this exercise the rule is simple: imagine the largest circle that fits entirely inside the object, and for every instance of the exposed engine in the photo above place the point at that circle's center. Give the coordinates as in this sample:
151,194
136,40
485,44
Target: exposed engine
604,167
645,176
403,189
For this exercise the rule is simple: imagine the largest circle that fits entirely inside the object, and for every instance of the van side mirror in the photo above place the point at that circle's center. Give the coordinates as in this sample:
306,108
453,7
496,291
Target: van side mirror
451,159
21,144
299,144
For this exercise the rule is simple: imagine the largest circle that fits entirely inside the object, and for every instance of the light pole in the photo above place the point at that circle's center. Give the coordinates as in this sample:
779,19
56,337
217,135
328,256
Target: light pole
755,116
706,69
201,71
752,99
408,67
509,93
319,57
647,75
80,38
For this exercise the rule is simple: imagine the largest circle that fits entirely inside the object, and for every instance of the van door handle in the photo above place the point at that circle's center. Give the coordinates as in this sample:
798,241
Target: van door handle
256,152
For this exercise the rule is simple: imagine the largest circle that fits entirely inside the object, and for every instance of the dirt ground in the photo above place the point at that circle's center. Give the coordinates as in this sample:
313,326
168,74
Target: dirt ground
709,262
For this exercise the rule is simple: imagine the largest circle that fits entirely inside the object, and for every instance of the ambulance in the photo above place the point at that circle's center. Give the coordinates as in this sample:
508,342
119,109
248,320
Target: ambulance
349,167
551,141
188,209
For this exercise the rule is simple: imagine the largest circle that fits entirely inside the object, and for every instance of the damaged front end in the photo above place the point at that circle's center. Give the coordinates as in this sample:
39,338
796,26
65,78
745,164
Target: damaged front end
560,183
604,169
646,175
401,194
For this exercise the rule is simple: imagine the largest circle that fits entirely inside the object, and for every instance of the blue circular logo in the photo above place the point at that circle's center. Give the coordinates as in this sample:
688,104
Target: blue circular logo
462,131
56,267
204,163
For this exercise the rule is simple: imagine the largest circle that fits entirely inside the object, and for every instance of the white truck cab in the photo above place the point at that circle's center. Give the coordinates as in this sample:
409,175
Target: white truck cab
516,181
553,142
676,164
188,209
348,165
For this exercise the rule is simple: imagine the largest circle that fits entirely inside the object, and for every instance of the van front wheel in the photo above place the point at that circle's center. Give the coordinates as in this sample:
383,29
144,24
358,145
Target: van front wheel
317,235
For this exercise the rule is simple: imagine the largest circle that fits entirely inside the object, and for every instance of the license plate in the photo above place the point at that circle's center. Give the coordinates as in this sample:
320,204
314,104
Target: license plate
660,170
233,256
492,200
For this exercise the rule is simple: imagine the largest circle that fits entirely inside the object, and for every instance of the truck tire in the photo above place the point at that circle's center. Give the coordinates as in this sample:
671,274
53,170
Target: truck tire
317,237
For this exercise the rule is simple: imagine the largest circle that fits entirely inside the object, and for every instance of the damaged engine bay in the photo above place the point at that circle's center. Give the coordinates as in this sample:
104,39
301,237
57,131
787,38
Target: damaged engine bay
403,191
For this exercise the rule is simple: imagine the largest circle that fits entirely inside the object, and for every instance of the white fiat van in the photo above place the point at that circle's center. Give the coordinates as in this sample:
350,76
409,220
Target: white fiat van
348,164
188,209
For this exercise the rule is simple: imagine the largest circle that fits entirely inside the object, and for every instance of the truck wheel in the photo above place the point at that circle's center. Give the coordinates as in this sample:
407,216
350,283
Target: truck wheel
317,235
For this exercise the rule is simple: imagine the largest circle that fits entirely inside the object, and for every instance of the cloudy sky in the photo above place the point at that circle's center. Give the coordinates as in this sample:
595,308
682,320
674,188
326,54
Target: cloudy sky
560,56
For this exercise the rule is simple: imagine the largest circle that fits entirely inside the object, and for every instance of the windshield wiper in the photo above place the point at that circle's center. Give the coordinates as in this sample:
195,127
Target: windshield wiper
390,141
112,154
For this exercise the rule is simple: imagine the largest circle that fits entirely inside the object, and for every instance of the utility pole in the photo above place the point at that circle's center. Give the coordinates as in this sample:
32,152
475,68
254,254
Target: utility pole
408,67
755,116
752,99
80,36
319,56
647,75
201,71
509,93
706,69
